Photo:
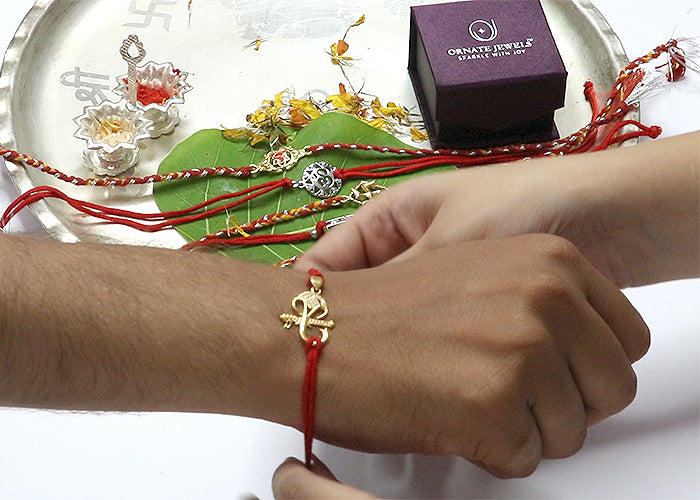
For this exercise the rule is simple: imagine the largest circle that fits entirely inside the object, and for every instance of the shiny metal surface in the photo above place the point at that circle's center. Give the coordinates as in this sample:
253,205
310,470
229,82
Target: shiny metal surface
65,55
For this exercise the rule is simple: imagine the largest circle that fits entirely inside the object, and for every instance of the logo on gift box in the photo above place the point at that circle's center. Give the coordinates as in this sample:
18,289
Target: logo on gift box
483,31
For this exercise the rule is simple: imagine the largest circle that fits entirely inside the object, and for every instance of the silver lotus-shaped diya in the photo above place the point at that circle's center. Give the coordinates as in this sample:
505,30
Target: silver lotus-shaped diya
112,132
158,88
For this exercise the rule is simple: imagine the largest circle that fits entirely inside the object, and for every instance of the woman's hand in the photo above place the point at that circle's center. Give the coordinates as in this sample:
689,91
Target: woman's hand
633,212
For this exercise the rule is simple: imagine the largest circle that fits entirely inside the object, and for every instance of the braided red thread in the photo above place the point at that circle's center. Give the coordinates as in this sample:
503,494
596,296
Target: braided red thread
291,214
225,237
678,66
193,173
614,109
650,56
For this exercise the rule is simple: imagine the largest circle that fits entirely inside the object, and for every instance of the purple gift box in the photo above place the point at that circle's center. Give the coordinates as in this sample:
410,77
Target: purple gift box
486,72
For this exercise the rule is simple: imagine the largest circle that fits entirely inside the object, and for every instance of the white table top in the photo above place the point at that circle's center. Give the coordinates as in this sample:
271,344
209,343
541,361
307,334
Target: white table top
650,450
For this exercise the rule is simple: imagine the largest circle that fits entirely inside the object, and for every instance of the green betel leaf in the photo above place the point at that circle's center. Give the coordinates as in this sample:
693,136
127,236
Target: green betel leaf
207,148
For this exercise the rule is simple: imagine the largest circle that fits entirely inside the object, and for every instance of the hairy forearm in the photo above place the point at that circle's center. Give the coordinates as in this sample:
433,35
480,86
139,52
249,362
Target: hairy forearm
138,329
123,328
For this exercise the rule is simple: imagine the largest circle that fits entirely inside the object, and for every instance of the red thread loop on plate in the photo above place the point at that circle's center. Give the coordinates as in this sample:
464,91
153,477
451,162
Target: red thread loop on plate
130,218
321,228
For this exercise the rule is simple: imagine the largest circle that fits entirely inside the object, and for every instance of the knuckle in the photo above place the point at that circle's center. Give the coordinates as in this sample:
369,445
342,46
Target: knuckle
643,343
571,443
517,462
548,290
577,440
513,449
552,249
559,250
528,342
619,395
626,391
524,457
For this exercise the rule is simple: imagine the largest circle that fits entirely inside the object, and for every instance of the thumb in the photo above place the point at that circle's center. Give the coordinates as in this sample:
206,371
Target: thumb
292,480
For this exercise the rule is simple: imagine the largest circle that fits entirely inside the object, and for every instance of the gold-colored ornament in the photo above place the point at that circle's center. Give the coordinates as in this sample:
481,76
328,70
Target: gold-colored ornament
280,160
310,309
365,191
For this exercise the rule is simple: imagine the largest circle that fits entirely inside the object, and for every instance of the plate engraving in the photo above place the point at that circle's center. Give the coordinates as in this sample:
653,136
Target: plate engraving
152,12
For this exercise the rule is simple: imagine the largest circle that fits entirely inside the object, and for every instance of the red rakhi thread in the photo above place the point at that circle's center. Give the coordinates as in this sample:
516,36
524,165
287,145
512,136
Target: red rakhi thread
359,195
310,310
22,159
314,346
238,235
130,218
168,220
276,161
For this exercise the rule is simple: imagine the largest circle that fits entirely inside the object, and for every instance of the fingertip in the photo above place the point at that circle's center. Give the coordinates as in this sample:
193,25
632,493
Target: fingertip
285,468
291,474
286,480
304,263
293,480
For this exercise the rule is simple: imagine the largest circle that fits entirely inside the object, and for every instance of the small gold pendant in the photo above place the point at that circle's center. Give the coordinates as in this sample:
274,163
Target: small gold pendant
280,160
310,309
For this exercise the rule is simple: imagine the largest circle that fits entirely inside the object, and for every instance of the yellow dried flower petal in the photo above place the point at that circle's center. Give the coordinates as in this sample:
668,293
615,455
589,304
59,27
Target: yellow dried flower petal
379,123
307,107
417,135
258,116
344,100
360,21
235,133
280,98
258,138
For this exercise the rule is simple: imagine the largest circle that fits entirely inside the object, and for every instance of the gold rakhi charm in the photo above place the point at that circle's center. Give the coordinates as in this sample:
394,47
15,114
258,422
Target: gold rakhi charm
310,309
280,160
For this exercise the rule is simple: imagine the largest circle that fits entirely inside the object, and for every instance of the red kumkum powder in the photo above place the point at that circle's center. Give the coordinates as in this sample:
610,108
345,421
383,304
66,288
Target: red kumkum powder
150,95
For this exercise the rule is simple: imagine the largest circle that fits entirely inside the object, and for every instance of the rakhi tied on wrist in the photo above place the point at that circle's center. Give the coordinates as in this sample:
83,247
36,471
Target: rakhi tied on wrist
310,311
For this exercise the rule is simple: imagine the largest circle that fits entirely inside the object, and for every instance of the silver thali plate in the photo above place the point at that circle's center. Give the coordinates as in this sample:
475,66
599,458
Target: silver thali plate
65,56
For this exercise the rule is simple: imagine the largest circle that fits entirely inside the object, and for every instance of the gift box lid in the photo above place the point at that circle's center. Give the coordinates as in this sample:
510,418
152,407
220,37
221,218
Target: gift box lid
488,64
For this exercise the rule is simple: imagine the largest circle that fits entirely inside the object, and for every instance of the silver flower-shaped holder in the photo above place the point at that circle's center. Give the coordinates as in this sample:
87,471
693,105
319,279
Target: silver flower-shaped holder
112,132
159,88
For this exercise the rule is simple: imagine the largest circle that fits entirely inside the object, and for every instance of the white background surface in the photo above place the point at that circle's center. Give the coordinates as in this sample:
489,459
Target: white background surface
650,450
